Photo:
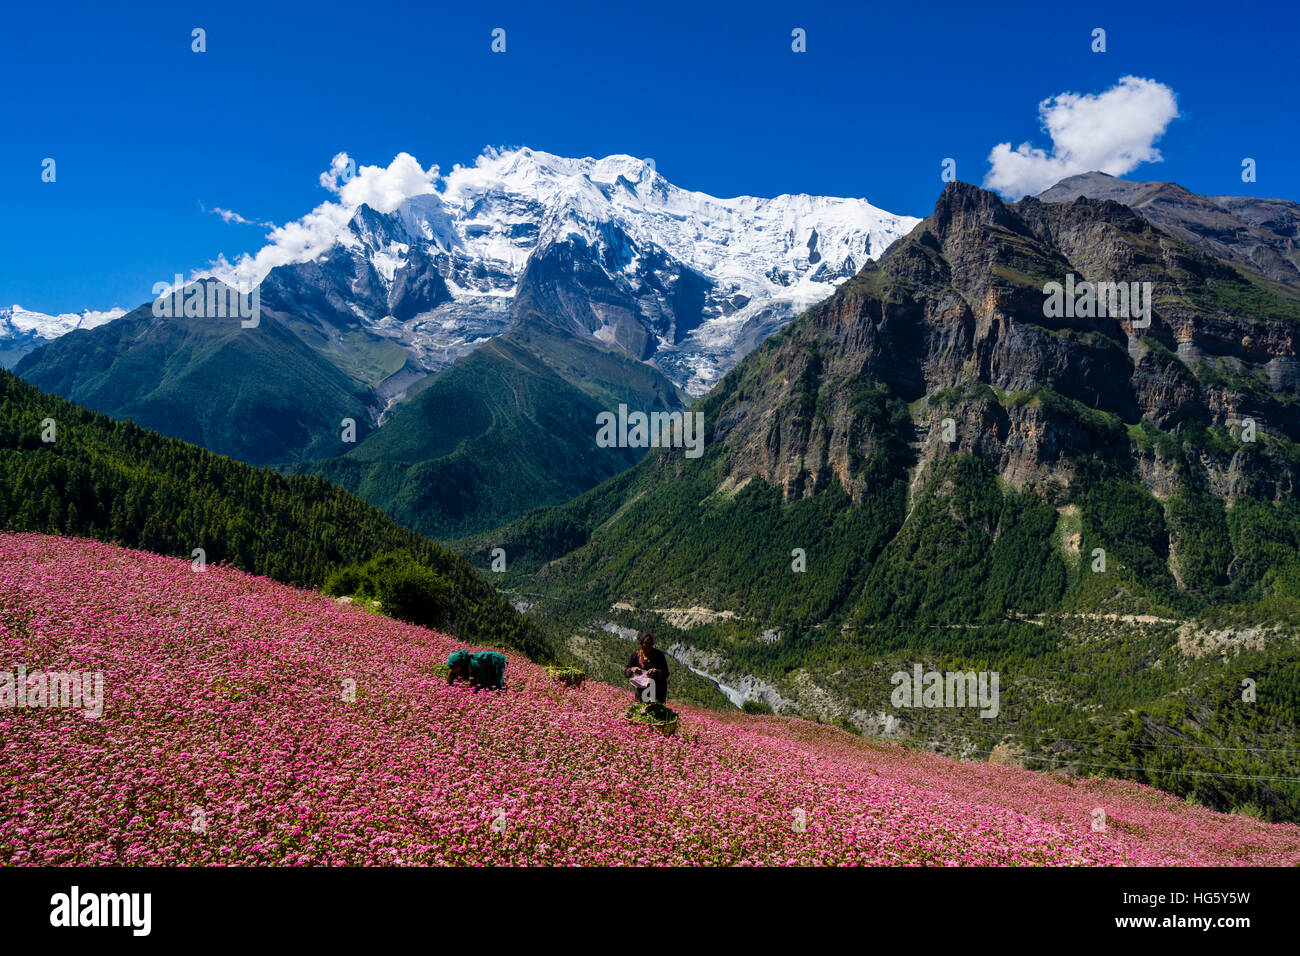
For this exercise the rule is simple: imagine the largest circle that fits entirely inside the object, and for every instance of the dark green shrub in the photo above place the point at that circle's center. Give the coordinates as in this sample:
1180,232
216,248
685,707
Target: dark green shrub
414,594
404,588
343,582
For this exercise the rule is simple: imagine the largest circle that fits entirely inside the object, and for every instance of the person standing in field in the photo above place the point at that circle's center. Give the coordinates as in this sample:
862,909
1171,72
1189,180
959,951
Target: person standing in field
647,663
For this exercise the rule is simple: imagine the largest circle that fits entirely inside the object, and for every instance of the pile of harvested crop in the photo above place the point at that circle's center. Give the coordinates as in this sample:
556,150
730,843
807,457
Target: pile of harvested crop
569,676
655,715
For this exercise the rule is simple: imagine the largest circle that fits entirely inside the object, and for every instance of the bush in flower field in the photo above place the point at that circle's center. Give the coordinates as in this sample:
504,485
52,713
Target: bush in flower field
404,588
246,722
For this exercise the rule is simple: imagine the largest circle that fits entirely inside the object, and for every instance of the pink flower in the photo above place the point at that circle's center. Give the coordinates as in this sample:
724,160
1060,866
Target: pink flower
224,694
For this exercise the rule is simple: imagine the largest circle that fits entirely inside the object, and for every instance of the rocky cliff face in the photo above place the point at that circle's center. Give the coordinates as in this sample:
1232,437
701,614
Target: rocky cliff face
952,321
1258,234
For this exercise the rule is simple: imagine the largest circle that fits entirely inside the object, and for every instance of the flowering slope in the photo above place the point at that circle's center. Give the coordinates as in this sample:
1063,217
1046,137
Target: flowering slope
227,737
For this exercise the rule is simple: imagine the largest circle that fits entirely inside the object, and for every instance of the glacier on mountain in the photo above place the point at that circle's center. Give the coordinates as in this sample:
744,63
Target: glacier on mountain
682,280
22,331
761,261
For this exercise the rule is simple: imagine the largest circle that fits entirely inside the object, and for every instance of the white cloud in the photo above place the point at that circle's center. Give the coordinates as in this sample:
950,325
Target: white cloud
1113,132
229,215
382,188
93,317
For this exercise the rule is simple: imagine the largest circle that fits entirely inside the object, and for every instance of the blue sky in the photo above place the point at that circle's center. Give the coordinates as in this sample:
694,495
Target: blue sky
146,133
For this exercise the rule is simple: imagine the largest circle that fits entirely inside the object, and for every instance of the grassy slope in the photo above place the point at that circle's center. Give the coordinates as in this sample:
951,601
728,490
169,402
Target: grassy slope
491,437
224,694
505,429
258,394
116,481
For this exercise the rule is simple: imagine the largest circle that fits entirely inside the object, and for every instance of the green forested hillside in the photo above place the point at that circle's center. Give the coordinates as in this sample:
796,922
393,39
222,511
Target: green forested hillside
118,482
487,439
261,394
969,550
506,428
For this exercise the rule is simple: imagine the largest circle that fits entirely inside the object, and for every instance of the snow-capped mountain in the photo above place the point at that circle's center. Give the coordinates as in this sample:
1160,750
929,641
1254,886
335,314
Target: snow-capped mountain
683,280
564,287
21,331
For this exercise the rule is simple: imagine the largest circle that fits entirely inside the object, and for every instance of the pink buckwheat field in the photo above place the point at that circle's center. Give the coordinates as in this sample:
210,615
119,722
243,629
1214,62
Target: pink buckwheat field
246,722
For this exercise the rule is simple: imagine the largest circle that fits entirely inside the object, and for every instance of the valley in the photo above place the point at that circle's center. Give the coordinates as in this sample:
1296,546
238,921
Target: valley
978,486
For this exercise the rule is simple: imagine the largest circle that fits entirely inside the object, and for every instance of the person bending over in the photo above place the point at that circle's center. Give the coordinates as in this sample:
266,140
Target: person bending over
648,662
486,669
